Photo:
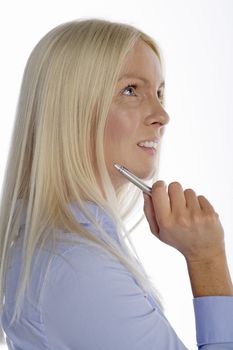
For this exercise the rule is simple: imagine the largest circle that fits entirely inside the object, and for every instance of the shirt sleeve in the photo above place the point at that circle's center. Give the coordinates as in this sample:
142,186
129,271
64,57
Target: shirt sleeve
214,322
91,301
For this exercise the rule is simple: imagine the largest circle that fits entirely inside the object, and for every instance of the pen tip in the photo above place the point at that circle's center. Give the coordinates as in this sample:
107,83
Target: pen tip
117,166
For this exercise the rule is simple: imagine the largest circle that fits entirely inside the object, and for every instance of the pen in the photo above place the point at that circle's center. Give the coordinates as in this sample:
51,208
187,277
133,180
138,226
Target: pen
133,178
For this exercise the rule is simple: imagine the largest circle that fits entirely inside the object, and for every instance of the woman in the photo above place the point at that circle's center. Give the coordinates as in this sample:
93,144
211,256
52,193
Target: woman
91,96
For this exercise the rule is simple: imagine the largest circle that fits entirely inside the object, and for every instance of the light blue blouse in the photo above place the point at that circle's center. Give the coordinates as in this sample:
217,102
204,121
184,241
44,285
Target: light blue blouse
90,301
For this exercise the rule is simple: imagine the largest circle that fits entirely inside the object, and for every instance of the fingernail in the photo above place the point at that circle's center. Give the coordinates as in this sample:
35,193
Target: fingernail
162,183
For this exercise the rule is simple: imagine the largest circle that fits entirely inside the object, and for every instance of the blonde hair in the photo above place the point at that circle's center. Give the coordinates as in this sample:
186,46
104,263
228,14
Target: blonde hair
56,149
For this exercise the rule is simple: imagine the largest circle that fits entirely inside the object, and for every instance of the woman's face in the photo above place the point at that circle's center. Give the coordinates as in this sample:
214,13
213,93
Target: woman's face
136,114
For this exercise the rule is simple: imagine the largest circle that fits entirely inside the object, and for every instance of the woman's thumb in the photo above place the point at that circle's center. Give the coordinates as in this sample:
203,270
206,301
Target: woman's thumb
150,214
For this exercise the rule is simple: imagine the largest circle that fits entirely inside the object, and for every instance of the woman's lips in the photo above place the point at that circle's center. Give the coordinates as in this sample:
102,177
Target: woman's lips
148,150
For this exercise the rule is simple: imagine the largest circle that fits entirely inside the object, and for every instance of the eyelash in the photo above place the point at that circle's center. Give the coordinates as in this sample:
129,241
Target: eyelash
134,86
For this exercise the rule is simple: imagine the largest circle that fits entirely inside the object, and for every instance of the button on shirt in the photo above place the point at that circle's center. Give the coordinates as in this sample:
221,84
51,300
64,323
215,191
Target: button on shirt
88,300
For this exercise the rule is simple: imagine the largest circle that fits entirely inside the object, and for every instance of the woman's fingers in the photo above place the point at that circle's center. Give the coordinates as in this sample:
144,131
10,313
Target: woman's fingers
205,205
160,202
192,201
184,220
177,198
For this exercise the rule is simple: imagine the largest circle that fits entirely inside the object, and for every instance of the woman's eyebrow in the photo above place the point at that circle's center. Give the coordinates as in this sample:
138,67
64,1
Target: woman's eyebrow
127,76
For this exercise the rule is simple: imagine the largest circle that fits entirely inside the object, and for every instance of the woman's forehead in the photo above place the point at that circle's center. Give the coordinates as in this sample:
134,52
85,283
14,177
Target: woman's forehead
142,63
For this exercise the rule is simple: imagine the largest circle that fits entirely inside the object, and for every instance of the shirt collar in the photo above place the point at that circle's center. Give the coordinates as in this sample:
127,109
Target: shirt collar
102,216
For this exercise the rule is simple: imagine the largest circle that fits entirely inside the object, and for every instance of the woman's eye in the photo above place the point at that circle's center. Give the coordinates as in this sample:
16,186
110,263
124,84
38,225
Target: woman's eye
130,90
160,96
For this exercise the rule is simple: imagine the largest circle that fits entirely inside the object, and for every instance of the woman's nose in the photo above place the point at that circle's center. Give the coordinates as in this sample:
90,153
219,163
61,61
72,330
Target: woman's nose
157,115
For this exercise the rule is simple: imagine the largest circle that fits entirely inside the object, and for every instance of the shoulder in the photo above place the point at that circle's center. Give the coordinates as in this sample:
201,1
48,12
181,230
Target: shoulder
81,265
88,290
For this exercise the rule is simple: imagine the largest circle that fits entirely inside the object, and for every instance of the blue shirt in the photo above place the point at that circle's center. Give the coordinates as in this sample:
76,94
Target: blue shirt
90,301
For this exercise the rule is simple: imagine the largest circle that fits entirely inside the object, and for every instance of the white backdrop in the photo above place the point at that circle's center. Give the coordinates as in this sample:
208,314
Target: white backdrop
196,39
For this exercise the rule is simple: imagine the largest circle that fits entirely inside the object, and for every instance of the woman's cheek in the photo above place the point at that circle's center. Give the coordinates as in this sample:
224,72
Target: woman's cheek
124,117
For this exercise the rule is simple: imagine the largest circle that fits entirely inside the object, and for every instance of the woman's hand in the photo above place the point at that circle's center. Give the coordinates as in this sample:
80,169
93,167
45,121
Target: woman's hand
184,221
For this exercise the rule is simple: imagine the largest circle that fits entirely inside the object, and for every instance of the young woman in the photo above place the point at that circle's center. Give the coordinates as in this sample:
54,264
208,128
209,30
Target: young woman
93,95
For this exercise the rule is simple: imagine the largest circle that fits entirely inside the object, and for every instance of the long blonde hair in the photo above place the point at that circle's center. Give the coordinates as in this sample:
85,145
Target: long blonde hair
56,149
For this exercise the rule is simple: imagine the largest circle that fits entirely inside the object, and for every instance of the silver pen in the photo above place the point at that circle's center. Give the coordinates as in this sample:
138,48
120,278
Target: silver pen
133,178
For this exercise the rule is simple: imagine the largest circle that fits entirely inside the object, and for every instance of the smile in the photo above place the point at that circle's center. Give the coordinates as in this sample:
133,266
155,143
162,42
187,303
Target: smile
148,150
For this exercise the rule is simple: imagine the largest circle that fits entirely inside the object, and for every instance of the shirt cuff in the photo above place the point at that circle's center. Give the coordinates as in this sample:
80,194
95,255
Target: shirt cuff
214,319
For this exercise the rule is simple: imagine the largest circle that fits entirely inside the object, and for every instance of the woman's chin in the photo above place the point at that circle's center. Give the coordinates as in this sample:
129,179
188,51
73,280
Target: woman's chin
145,174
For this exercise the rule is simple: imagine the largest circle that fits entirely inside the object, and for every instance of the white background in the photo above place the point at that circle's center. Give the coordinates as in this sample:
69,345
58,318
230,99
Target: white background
196,39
